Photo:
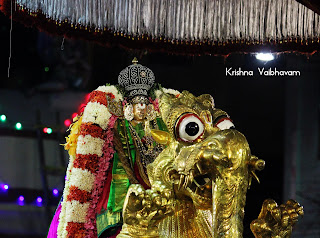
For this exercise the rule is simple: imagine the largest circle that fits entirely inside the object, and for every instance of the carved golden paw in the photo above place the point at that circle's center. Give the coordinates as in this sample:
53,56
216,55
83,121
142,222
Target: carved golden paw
144,209
276,221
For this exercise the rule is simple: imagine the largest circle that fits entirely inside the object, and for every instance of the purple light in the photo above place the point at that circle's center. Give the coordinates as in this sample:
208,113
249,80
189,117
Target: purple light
4,187
39,200
55,192
21,200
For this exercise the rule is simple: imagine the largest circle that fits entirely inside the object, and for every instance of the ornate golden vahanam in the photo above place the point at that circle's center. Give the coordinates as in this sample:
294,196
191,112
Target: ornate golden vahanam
199,181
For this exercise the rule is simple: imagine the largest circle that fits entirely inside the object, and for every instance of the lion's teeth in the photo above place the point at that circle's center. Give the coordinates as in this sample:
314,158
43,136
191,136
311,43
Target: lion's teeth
185,184
181,182
196,183
199,168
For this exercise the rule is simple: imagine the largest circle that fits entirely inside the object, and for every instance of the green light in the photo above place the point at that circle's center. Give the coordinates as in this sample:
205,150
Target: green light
49,130
18,126
3,118
46,69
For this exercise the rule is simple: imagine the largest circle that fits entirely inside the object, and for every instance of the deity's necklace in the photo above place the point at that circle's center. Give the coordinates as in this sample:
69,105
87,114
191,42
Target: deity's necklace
147,150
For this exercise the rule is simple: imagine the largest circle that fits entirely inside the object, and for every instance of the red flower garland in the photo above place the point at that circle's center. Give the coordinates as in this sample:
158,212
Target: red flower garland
104,163
75,230
89,162
98,96
91,129
78,195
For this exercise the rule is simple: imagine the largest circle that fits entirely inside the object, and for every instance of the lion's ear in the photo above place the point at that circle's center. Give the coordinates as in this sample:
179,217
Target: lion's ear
162,137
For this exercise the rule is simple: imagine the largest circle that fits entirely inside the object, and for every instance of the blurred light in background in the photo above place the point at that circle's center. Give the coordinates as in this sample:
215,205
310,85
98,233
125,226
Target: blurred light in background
47,130
39,201
4,187
55,192
82,106
18,126
67,122
265,56
3,118
21,200
88,97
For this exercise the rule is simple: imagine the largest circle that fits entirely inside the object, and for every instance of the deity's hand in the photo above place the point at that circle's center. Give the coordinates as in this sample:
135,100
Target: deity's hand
144,209
276,221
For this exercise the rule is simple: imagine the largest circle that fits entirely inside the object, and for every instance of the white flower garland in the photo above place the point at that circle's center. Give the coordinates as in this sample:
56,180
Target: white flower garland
74,211
83,179
96,113
61,231
159,92
89,145
111,89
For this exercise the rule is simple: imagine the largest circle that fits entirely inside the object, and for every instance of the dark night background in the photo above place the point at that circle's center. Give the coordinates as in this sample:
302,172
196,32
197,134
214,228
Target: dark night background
42,64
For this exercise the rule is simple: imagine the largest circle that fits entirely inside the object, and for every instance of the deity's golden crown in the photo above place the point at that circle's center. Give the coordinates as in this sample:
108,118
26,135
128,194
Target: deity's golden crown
136,79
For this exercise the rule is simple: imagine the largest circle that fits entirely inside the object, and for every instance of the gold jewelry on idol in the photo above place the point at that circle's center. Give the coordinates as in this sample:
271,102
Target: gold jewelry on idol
128,111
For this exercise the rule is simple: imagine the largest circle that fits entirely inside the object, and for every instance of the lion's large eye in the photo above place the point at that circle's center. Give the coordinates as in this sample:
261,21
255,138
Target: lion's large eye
189,127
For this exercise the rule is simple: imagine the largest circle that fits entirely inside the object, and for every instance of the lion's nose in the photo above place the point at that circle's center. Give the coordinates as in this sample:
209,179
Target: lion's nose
214,158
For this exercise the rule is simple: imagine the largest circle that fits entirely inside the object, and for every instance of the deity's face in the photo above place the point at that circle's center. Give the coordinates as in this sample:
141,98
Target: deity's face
139,111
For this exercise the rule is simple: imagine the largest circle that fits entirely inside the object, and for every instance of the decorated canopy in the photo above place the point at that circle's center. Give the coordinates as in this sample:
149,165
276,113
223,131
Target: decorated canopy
178,26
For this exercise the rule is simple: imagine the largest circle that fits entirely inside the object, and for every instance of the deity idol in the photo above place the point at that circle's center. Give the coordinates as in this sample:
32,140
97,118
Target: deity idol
110,147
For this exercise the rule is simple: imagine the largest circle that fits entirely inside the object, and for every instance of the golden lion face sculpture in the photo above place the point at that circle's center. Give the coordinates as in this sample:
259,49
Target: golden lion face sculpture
203,164
199,181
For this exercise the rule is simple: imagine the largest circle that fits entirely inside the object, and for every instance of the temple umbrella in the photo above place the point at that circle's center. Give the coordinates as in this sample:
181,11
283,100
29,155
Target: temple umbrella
178,26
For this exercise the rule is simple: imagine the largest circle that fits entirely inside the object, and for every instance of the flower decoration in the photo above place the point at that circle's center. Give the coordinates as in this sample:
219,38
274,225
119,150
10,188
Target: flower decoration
90,148
159,92
71,140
